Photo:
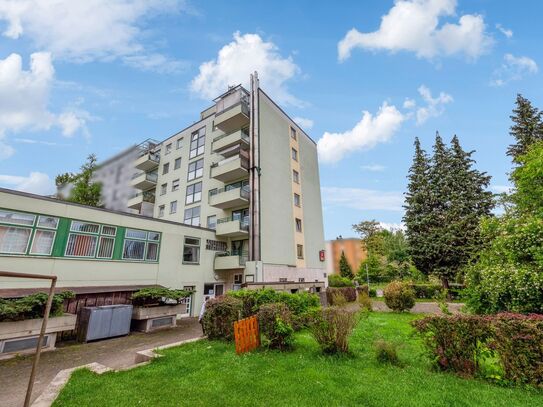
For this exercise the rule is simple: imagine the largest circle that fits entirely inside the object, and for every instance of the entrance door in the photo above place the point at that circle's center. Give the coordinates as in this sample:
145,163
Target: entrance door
219,289
188,301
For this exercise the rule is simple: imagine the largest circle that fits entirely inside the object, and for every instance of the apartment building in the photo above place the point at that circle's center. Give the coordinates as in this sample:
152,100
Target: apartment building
249,172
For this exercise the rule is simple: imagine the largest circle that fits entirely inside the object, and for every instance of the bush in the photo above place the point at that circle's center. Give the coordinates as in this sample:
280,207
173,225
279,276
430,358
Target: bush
252,300
363,289
337,299
335,280
275,323
32,306
373,292
429,291
518,341
399,296
158,296
349,293
332,329
365,301
305,319
219,317
386,353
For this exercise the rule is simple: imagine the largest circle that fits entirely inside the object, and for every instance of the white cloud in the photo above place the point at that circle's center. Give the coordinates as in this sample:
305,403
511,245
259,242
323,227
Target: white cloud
87,30
6,150
433,106
392,226
373,167
304,123
241,57
36,183
409,103
500,189
414,25
513,69
368,132
362,199
505,31
156,63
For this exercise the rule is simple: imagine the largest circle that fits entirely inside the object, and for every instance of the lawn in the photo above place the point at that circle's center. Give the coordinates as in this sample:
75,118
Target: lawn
209,373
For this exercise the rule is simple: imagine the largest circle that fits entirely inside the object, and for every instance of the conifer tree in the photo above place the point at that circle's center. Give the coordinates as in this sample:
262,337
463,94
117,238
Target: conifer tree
345,269
527,127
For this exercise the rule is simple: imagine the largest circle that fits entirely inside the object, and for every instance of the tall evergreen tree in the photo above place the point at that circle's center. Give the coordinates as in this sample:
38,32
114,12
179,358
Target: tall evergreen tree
345,269
527,127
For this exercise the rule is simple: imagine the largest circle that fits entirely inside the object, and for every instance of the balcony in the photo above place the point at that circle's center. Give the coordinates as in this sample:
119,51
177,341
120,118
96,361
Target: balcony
231,142
230,261
232,110
138,199
147,161
232,228
231,169
144,180
231,198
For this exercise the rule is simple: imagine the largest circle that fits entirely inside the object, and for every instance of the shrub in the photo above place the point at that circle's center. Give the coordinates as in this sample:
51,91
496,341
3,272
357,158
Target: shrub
518,341
386,353
275,323
365,301
335,280
219,317
158,296
428,291
399,296
252,300
349,293
363,289
337,299
373,292
455,343
332,329
32,306
305,319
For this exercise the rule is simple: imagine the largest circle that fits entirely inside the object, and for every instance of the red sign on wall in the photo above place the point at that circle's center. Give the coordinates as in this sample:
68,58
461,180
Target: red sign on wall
321,255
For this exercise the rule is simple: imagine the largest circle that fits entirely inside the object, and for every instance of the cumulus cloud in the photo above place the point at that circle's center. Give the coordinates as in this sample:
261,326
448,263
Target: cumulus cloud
432,107
505,31
304,123
36,183
513,69
373,167
368,132
87,30
414,26
241,57
362,199
392,226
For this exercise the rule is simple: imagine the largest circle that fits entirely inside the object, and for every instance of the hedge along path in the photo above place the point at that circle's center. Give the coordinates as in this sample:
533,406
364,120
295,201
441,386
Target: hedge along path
246,335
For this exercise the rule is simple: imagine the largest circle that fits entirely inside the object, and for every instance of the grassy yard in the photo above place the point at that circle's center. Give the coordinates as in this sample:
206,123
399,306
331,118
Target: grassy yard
208,373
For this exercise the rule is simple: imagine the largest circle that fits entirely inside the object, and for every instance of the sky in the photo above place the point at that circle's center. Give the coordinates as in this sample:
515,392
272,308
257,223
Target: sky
362,78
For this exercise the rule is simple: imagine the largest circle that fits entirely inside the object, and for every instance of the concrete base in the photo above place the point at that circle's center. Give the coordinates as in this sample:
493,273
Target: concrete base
148,319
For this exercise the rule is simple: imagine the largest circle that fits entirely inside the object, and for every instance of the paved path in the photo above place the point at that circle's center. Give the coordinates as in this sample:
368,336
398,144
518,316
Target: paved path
115,353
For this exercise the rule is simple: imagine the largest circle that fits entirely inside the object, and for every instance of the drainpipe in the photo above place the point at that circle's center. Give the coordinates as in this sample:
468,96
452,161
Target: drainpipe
254,173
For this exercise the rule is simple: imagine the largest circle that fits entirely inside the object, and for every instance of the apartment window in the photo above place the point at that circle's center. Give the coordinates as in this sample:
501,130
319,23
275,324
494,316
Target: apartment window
191,250
179,143
296,176
168,148
177,163
166,168
90,240
293,133
194,193
294,154
212,222
175,185
192,216
173,207
197,143
196,169
163,189
298,225
300,251
161,211
297,200
238,278
141,245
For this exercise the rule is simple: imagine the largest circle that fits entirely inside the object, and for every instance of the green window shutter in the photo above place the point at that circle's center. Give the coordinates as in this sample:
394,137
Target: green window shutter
61,239
119,240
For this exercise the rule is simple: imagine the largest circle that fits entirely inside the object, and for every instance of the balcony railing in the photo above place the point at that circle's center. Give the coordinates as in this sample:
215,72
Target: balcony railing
149,176
243,223
232,98
244,191
244,135
243,255
146,196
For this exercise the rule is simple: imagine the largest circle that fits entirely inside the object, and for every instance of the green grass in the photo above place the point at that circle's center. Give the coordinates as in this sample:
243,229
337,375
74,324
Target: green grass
209,373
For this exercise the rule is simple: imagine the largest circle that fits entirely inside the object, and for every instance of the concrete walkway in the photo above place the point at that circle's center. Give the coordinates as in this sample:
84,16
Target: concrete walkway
114,353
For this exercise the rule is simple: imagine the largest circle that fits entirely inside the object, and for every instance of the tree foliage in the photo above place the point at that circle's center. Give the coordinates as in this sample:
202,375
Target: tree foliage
85,191
527,127
345,269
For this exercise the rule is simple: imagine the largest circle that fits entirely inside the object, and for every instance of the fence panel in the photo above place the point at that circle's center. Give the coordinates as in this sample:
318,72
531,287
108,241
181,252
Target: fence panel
246,334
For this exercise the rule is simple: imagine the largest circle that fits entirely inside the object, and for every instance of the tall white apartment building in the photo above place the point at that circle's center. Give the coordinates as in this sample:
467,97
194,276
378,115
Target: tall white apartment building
249,172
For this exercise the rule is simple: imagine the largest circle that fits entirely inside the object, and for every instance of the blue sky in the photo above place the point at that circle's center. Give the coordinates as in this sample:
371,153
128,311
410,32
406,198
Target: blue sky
103,78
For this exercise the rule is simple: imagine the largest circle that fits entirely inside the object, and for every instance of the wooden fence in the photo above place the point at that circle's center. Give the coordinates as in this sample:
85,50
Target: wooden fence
246,334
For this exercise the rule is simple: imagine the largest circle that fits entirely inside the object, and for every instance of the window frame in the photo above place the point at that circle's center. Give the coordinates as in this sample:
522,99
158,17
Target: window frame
195,171
147,240
199,246
193,194
294,154
195,137
295,176
298,221
176,162
165,168
298,248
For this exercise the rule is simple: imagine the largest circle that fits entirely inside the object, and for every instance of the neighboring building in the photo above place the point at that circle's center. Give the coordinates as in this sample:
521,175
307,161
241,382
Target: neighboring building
353,249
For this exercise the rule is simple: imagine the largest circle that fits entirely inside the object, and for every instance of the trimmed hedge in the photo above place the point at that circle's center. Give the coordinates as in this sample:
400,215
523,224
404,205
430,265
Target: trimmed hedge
399,296
32,306
335,280
297,303
348,292
158,296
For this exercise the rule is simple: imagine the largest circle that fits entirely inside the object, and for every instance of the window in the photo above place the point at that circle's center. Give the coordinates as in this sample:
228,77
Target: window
194,193
215,245
48,222
179,143
191,250
294,154
77,226
14,240
293,133
177,163
196,169
81,245
42,242
28,238
298,225
296,176
168,148
212,222
163,189
192,216
91,240
141,245
161,211
197,142
299,251
238,278
105,248
297,200
165,168
175,185
173,207
16,218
